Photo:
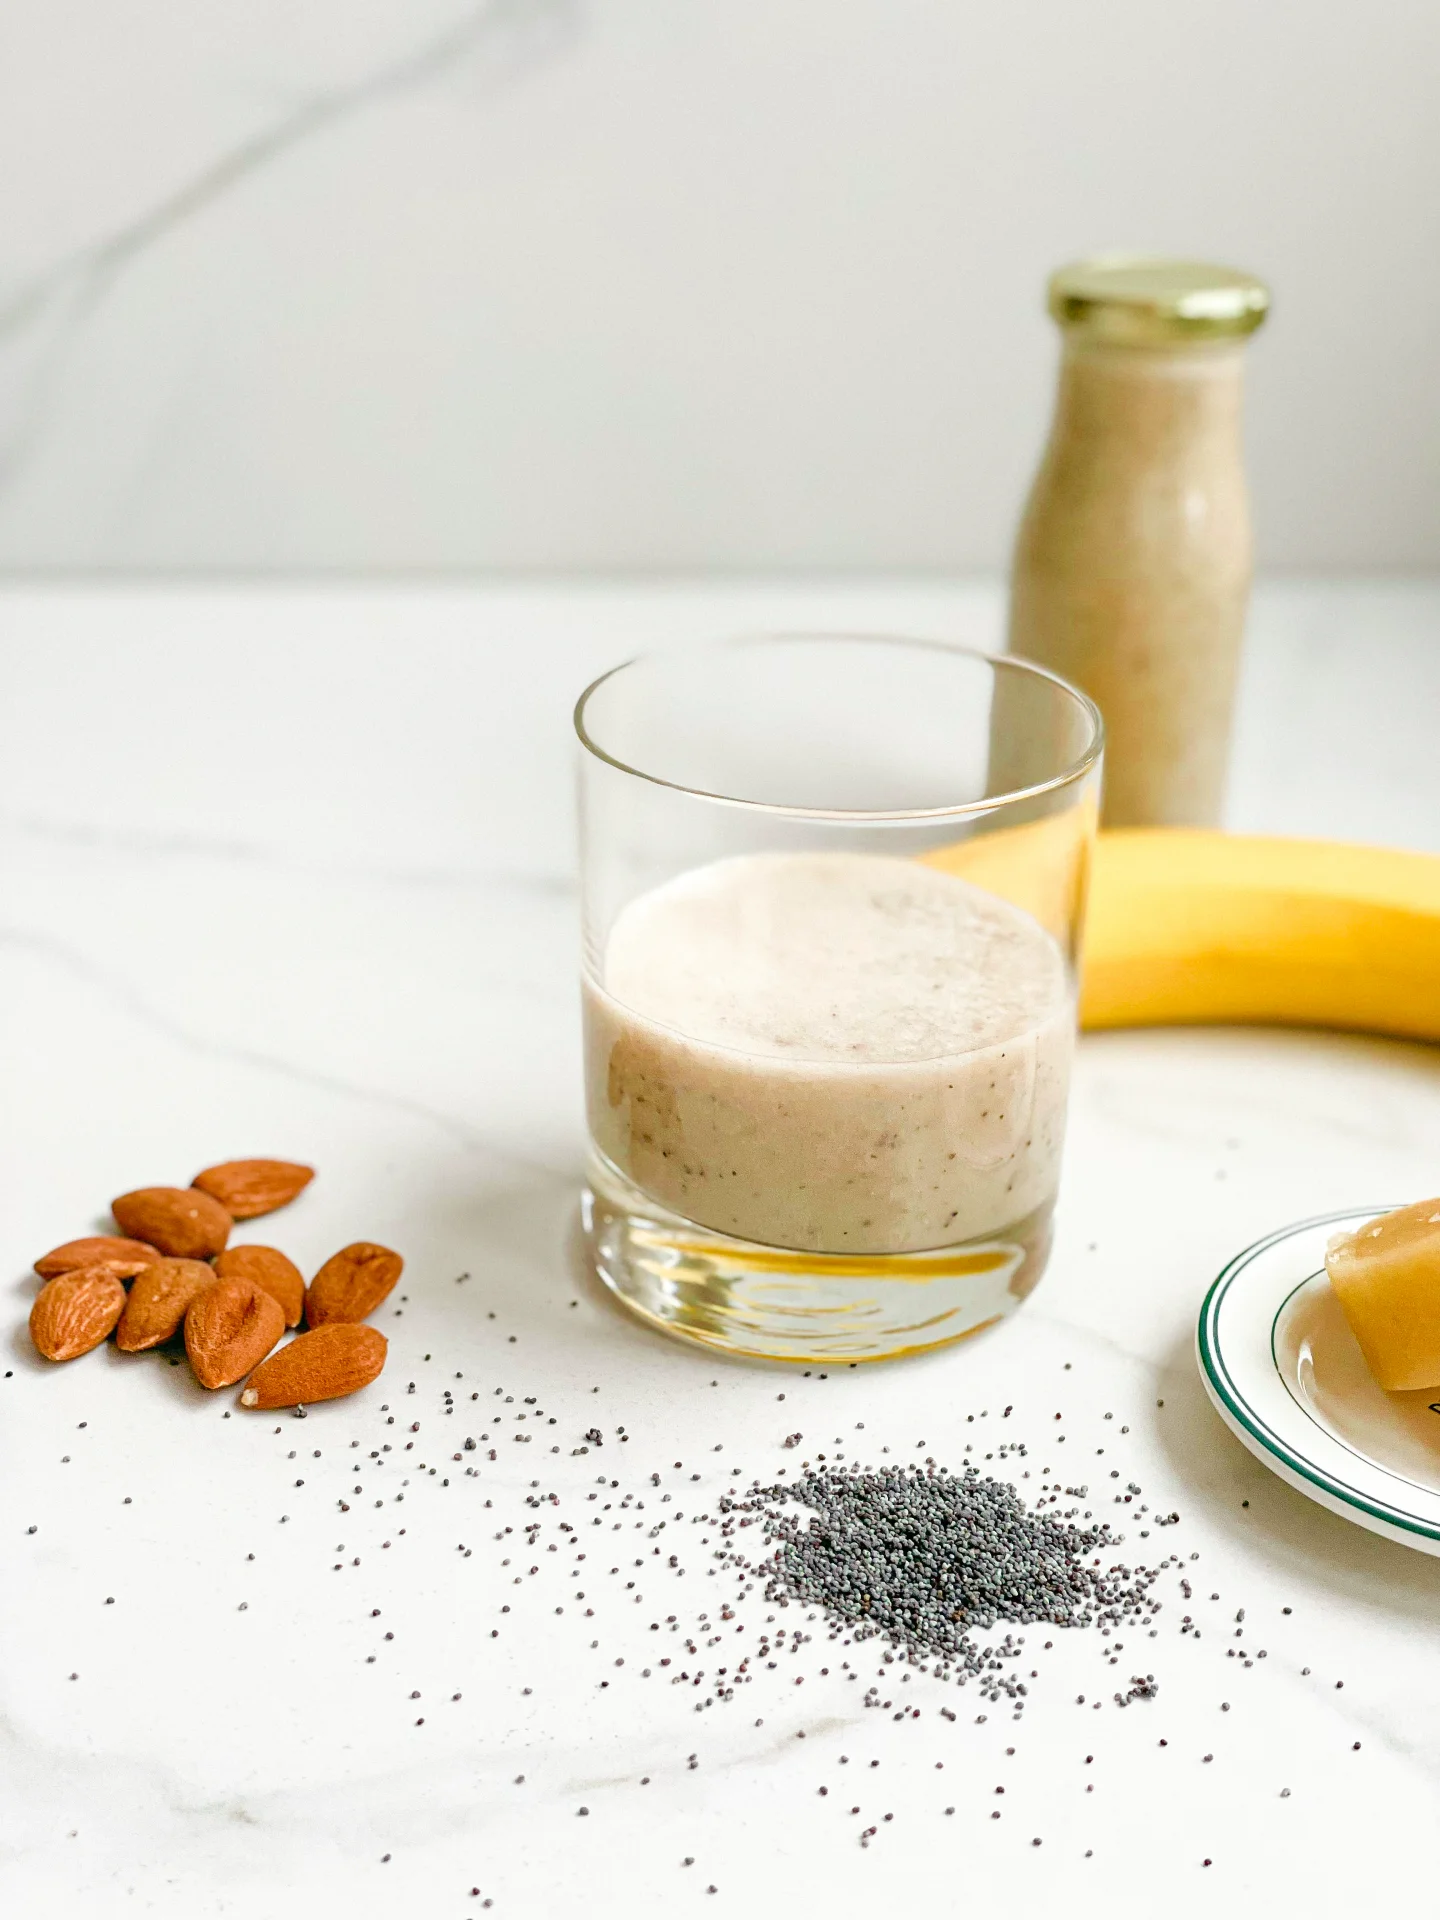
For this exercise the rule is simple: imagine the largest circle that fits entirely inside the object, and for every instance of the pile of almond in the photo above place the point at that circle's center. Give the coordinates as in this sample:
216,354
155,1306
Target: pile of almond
232,1303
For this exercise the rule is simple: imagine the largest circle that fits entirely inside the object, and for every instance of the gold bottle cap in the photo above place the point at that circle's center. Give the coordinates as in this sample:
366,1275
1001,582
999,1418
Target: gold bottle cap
1136,300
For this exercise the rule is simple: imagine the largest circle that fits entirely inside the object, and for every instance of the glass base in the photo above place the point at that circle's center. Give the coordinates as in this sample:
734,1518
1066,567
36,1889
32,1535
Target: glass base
772,1303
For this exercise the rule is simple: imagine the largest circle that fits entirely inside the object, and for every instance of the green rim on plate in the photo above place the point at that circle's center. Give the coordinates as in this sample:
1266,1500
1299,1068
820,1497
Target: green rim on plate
1221,1382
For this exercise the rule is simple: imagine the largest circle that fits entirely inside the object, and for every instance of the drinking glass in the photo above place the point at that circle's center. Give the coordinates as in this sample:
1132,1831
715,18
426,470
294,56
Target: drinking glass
833,889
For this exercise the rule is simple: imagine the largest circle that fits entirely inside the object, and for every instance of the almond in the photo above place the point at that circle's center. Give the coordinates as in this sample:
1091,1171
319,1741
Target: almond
159,1301
75,1311
270,1270
123,1258
352,1283
180,1221
323,1365
229,1329
248,1188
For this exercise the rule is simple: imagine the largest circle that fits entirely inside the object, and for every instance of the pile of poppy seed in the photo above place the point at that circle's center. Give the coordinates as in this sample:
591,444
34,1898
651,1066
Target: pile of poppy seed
924,1558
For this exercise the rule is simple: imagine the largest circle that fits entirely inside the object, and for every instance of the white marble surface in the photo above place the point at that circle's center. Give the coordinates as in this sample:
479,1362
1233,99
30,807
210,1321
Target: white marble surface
289,873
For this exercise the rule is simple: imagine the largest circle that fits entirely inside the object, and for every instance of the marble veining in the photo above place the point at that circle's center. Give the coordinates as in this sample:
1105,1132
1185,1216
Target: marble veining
107,842
498,42
67,959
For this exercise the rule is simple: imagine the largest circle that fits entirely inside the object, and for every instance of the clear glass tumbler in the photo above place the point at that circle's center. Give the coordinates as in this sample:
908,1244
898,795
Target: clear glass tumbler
833,888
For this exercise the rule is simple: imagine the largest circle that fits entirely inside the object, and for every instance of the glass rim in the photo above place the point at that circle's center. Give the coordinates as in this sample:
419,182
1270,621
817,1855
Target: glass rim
960,809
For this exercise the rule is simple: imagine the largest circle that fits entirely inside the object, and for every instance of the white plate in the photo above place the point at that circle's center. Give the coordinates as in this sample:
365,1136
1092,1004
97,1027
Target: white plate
1286,1376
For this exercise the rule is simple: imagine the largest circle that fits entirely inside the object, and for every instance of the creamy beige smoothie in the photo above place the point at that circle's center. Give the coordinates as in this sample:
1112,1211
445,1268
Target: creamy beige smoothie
833,1052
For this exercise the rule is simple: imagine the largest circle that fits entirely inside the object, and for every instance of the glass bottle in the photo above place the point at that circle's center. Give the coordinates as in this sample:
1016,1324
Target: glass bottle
1132,567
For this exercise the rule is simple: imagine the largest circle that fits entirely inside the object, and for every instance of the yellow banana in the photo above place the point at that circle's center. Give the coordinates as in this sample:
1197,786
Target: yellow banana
1187,926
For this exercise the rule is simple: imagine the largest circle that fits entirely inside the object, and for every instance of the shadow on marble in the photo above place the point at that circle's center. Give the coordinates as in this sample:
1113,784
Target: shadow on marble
166,1363
1280,1526
527,1241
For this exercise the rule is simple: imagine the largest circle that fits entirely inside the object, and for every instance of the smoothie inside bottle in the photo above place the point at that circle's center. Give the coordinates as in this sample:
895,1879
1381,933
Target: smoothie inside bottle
1132,567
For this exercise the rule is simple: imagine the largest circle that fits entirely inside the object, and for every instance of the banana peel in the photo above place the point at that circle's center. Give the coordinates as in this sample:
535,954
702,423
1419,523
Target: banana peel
1186,926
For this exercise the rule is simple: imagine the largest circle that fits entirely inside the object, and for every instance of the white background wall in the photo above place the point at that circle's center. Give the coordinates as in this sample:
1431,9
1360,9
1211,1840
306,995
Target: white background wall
591,284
